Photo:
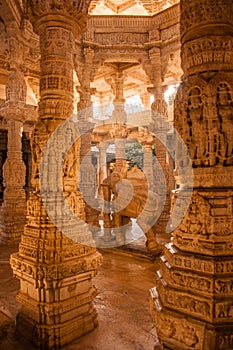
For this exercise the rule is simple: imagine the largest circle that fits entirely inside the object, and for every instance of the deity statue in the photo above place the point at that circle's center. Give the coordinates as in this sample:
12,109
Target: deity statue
197,144
225,111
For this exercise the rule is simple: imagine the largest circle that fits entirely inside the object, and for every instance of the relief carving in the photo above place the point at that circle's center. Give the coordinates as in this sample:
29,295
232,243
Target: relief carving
197,125
205,122
188,303
225,112
192,13
191,281
125,38
198,217
224,310
68,8
38,140
211,50
223,286
179,331
224,342
16,89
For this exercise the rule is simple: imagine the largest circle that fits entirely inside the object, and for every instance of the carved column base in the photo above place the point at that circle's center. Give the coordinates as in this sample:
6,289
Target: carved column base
191,304
57,336
177,332
56,299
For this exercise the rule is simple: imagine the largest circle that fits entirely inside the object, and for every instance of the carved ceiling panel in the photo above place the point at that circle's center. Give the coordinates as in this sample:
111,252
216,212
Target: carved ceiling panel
134,76
129,7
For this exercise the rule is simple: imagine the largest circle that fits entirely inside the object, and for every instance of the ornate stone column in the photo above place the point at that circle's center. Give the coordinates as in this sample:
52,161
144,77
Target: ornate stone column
119,134
88,178
148,164
13,210
84,68
192,301
153,69
55,269
163,176
15,111
162,168
102,164
119,117
117,84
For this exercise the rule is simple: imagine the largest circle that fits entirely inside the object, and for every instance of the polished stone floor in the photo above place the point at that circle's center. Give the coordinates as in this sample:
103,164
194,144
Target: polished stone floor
125,322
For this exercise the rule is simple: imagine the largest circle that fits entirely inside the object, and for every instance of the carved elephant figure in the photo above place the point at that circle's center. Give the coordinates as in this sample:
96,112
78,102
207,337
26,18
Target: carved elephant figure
131,198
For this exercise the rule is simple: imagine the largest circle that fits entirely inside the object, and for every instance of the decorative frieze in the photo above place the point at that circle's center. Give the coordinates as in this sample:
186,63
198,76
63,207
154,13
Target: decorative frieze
117,38
120,22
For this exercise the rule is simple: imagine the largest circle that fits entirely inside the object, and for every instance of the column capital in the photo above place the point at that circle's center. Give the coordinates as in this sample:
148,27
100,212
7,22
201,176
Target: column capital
15,106
72,14
206,36
208,17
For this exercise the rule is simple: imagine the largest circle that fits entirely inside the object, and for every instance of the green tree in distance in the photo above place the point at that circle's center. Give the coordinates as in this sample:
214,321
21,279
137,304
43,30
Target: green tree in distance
134,154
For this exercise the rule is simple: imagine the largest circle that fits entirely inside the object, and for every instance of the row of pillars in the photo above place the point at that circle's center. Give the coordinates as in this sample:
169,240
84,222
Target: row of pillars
14,207
191,303
57,259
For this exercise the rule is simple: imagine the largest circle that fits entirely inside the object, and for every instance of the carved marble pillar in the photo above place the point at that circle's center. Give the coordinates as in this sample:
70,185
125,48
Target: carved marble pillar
88,177
54,268
117,84
162,169
192,301
163,176
153,69
13,210
119,117
84,69
102,163
148,164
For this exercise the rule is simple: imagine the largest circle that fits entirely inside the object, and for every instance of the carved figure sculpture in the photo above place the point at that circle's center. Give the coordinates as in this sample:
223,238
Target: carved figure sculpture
132,202
197,145
225,111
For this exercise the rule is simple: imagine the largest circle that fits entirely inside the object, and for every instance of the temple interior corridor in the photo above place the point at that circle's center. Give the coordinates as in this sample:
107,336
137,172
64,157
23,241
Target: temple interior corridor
116,174
123,284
